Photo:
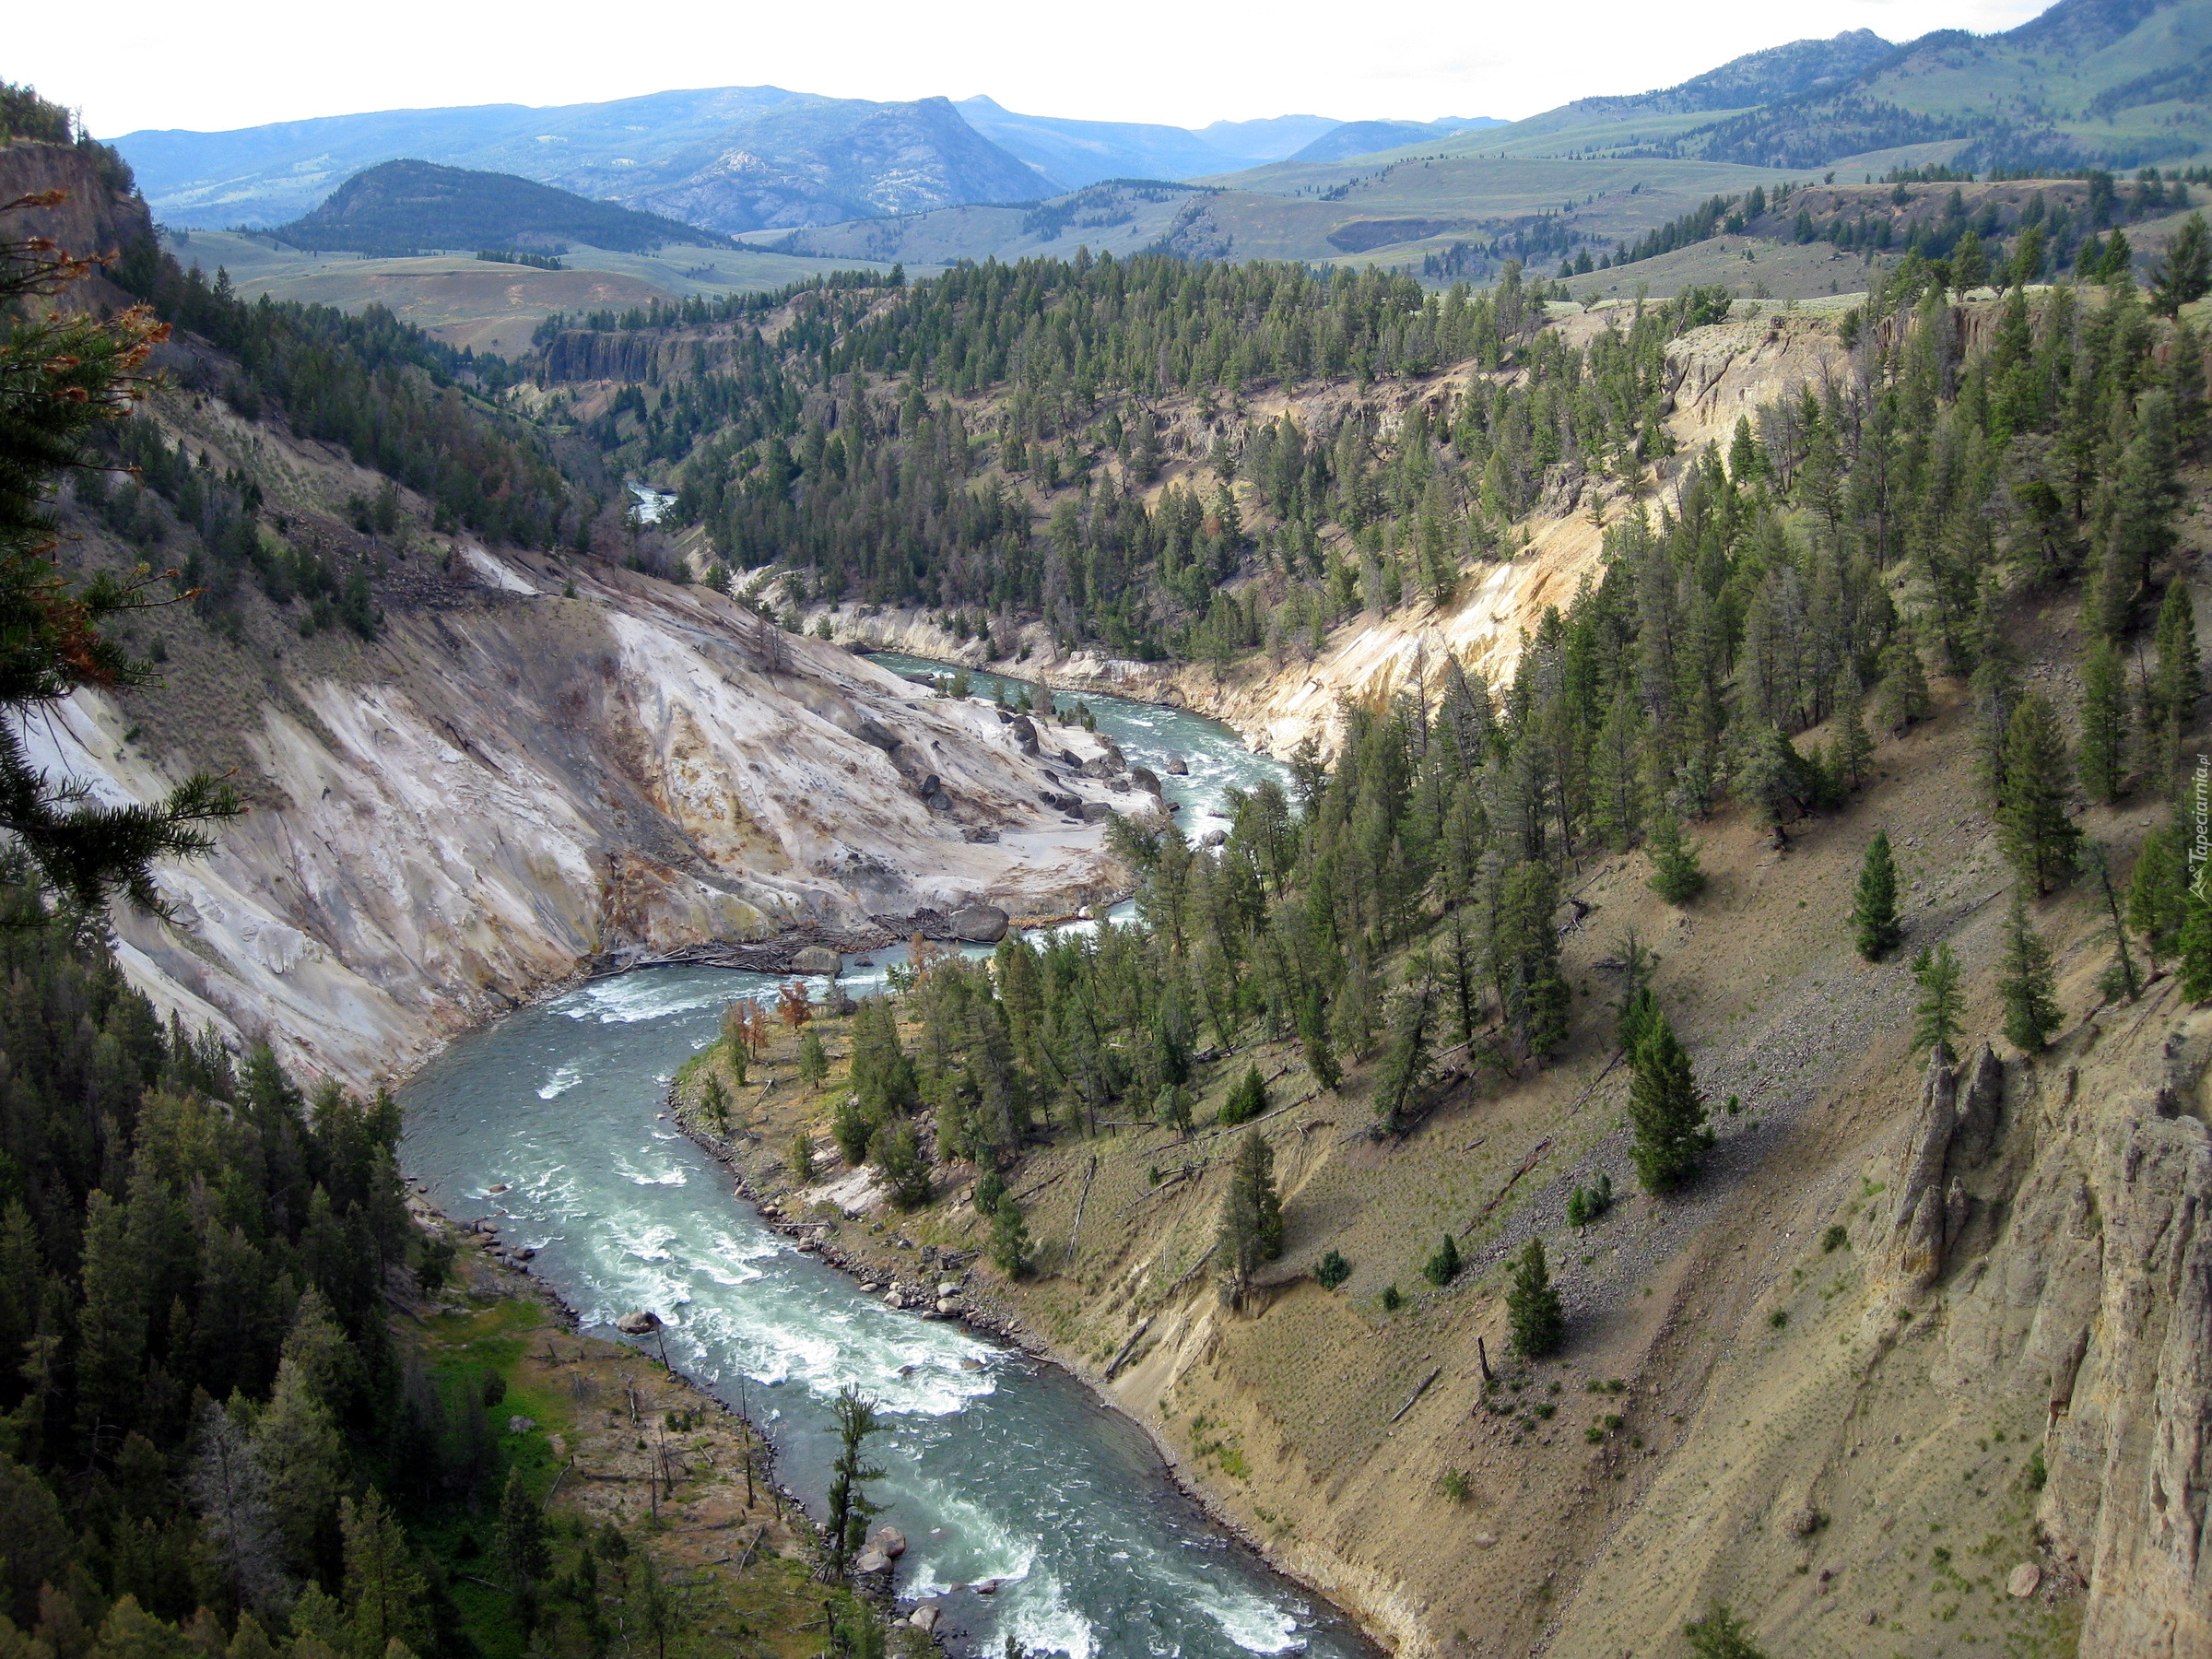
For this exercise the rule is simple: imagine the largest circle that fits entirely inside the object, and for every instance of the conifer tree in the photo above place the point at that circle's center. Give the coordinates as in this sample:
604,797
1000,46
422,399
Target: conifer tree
2185,273
1443,1267
1251,1214
1407,1052
2027,988
814,1061
855,1415
2195,971
1854,748
2103,723
1874,902
524,1550
1010,1238
385,1594
2179,679
1314,1039
1942,1000
1524,954
2157,889
1664,1107
1676,876
2038,832
1904,695
1247,1100
1533,1309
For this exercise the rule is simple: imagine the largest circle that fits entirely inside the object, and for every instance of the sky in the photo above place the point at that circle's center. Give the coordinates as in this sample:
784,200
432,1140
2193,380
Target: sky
222,64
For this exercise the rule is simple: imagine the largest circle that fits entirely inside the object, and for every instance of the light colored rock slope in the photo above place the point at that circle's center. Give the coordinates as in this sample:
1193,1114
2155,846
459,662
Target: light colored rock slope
515,785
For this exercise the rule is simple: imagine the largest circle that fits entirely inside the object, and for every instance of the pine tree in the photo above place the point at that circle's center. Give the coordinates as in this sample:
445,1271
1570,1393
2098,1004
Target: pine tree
1251,1214
1664,1107
1904,695
2185,273
814,1061
1873,903
2103,723
2157,890
1531,991
1314,1039
1532,1305
2027,988
1676,876
855,1415
524,1551
1443,1267
1247,1100
2179,679
1942,1001
1406,1054
2196,972
1855,749
1010,1238
2038,832
387,1599
112,1322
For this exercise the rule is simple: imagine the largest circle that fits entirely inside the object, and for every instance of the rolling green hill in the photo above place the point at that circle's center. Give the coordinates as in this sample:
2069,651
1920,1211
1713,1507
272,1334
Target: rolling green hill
405,207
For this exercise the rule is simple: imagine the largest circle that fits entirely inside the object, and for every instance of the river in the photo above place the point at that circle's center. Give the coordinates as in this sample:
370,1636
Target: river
996,1466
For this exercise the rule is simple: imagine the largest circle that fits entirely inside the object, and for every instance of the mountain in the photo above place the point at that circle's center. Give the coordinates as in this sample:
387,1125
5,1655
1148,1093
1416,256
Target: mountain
1368,138
729,159
1076,153
2107,83
400,206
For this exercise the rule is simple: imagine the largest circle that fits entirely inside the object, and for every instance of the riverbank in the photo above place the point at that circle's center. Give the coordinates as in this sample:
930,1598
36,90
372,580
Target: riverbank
912,1277
606,1434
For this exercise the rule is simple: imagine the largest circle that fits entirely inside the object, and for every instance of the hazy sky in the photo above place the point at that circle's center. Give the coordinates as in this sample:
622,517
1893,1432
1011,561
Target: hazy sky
238,62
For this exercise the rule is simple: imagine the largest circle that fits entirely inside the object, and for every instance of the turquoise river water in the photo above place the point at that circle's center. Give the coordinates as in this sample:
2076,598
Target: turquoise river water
996,1466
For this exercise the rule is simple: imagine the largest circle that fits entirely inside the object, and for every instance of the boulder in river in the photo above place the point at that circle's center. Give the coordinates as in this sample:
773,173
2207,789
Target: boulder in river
1212,838
816,959
889,1540
979,924
639,1323
924,1618
1178,768
1145,778
872,1561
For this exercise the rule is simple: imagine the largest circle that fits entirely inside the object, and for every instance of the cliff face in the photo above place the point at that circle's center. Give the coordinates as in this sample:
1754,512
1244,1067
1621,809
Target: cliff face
518,785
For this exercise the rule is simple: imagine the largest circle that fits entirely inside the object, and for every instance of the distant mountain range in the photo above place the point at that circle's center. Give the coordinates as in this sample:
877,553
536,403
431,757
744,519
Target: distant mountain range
729,159
399,208
2089,82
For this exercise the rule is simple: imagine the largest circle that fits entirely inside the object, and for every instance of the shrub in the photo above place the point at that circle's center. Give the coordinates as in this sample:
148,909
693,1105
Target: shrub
1836,1238
1332,1271
1721,1635
1392,1300
1443,1267
1455,1484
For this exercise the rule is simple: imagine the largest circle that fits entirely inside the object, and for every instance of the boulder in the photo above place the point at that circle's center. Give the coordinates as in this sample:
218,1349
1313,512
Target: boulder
939,802
1096,812
950,1288
873,732
2027,1578
639,1324
931,784
1145,778
924,1618
980,835
872,1561
979,924
948,1304
1025,731
1178,768
1212,838
1101,766
816,959
889,1540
